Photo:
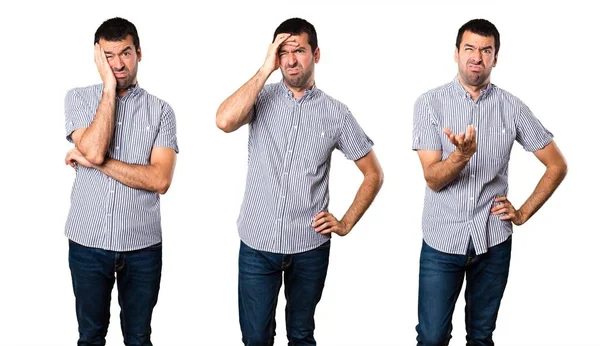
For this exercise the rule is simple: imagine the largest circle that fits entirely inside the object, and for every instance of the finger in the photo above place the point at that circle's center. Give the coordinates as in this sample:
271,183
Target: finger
319,221
320,215
447,131
501,199
501,211
323,227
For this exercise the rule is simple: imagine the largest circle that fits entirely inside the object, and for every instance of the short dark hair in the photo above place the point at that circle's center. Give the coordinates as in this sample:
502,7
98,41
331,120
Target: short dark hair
296,26
117,29
480,27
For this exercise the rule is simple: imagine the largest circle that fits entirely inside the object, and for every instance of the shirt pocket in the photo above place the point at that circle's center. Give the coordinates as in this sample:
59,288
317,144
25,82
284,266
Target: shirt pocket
140,144
318,146
498,142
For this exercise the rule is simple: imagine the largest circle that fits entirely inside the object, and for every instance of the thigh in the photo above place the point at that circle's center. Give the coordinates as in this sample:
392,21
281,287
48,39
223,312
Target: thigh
440,280
138,281
486,280
304,283
92,275
259,281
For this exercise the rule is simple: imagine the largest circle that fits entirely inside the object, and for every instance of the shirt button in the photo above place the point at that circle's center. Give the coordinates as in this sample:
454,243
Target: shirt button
117,147
471,198
295,127
147,128
285,173
472,175
119,123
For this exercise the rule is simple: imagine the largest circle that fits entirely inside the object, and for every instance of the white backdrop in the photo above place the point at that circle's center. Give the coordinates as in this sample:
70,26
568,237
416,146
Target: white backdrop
377,57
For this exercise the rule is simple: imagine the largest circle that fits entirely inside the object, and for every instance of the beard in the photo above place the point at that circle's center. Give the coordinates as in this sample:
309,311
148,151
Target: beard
299,80
125,83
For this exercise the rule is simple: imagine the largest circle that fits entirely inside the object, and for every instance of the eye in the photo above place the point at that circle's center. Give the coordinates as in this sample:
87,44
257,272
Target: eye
468,48
109,57
282,53
126,53
487,51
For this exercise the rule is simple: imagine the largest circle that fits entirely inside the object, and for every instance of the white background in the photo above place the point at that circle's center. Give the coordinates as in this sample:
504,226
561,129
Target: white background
377,57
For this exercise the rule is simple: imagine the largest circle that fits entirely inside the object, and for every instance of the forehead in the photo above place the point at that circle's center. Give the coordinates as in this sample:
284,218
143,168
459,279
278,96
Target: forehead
116,46
476,40
301,39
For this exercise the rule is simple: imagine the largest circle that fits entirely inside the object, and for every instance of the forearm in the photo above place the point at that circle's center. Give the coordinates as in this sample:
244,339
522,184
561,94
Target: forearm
364,197
95,140
144,177
549,182
441,173
235,110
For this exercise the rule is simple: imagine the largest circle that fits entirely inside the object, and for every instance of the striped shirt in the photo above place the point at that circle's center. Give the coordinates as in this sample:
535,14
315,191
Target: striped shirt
105,213
289,154
461,210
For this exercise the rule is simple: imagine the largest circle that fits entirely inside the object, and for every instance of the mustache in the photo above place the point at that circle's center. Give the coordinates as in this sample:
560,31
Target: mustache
122,69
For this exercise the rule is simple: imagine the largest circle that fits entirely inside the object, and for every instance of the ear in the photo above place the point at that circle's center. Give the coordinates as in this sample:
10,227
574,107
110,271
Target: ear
495,60
456,55
139,53
317,54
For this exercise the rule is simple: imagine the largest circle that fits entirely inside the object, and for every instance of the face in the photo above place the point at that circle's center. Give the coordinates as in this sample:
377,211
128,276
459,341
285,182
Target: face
297,63
123,59
475,57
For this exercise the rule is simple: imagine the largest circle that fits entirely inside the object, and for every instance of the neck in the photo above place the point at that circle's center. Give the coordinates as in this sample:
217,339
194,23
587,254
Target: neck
300,91
473,90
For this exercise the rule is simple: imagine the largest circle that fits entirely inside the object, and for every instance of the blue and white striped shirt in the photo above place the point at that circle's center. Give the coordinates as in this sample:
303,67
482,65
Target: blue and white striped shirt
461,210
289,154
105,213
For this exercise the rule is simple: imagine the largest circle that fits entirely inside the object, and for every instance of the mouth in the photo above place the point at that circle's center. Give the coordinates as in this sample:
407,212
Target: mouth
293,71
120,75
475,68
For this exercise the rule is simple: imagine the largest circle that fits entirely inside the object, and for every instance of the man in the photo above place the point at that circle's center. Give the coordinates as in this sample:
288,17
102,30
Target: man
284,224
463,134
124,156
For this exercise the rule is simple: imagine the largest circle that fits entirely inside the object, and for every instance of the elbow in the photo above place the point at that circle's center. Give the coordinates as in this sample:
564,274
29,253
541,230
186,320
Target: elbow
224,125
163,186
433,185
379,179
96,160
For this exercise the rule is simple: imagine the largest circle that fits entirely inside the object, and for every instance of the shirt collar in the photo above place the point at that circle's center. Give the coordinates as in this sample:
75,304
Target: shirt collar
308,93
464,93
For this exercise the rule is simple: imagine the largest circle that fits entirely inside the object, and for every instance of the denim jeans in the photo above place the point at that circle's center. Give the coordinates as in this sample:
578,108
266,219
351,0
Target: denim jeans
440,281
259,281
138,281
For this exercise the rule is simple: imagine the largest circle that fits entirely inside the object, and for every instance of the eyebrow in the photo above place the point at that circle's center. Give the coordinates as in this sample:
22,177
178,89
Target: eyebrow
124,50
471,46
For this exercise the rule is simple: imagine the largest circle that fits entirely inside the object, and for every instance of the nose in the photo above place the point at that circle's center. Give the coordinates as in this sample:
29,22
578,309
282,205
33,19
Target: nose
476,55
291,59
116,63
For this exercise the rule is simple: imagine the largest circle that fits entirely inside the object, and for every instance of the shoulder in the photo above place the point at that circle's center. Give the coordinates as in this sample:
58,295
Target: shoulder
85,93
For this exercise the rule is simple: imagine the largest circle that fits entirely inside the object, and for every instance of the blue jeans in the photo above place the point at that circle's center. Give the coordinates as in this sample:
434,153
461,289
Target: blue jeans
260,277
138,281
440,281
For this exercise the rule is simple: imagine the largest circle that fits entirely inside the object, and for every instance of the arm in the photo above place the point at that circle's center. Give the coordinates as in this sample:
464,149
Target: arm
556,171
94,140
439,173
325,222
155,177
236,110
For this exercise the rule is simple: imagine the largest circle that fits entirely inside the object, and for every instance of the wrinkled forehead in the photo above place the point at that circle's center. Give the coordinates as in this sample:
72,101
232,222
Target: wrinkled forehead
476,40
116,46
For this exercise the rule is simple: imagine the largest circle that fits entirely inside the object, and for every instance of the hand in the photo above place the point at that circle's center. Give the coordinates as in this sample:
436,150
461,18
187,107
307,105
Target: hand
104,68
74,158
325,223
272,61
465,142
510,213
